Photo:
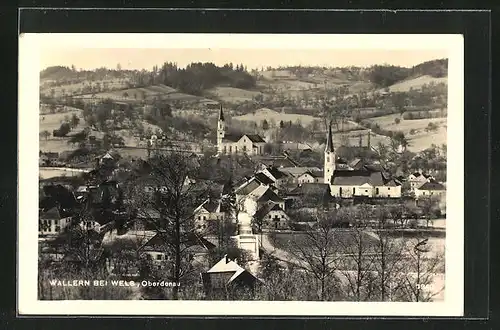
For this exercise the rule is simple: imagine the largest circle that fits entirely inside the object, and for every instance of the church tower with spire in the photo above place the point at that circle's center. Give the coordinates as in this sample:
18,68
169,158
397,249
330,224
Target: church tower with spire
329,165
221,129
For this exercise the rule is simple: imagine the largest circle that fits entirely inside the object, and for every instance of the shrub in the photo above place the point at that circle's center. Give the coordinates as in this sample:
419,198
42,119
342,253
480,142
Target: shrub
397,121
412,131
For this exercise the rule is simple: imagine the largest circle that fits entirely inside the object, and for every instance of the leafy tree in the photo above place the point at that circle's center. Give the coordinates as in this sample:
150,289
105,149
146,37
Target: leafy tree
74,121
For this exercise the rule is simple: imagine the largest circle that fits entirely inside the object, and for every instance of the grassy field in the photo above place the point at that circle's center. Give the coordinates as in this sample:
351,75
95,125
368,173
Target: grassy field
232,95
416,83
50,122
420,139
161,92
270,115
71,89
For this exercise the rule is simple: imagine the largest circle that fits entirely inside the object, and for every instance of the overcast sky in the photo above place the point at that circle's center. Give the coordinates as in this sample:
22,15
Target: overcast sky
146,58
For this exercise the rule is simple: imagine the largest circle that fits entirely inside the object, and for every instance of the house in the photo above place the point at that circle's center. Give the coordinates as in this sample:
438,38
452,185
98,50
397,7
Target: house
48,158
250,144
208,211
52,222
194,246
430,188
272,216
310,194
227,273
311,177
417,179
280,178
351,183
295,172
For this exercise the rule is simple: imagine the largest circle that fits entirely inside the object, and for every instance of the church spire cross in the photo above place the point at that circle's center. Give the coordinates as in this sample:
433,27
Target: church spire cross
221,114
329,140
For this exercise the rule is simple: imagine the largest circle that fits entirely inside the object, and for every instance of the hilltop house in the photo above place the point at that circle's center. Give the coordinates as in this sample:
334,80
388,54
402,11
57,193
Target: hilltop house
250,144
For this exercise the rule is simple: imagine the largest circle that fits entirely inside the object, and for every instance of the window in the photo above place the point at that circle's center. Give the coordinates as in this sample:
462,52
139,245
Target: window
244,148
158,257
282,216
236,149
353,191
340,191
199,217
376,191
366,190
204,218
230,149
58,228
225,150
270,216
388,188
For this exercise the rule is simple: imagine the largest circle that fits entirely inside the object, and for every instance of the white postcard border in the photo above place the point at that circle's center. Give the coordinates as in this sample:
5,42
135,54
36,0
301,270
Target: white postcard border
30,46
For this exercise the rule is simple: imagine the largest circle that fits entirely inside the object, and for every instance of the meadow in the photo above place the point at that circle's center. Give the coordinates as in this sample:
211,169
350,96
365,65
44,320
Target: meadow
270,115
416,83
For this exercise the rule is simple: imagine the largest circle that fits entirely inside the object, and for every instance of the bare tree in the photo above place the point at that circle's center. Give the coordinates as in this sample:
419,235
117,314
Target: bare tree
316,254
356,255
390,252
169,209
424,267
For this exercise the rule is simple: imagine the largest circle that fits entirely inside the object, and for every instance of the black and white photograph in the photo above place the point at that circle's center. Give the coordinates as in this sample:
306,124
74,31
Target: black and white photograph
241,174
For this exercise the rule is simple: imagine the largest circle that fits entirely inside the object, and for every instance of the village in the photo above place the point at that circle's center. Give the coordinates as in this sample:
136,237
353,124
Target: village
243,216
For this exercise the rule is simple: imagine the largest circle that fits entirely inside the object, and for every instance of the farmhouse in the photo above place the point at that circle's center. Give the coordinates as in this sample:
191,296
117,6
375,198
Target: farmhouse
430,188
417,179
195,246
52,222
208,211
313,176
251,144
272,216
226,273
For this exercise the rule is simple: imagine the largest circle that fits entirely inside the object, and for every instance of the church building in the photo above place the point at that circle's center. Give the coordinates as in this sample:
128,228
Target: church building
367,181
250,144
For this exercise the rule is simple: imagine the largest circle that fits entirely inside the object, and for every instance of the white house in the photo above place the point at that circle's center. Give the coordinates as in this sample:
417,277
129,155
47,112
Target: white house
272,216
208,211
51,222
430,188
417,179
310,177
351,183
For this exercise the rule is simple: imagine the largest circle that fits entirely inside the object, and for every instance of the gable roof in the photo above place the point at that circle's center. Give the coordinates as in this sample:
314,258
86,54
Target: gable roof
52,213
269,195
276,173
232,137
255,138
248,187
432,185
264,210
194,242
263,178
357,178
310,188
298,171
